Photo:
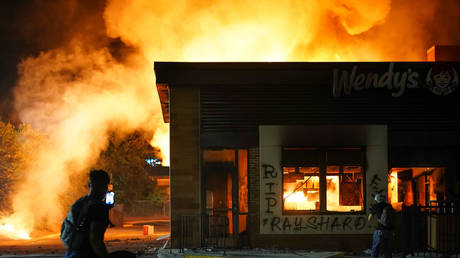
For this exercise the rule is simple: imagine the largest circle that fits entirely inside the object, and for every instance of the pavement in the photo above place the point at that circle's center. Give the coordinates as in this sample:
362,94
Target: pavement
278,253
274,253
129,237
238,253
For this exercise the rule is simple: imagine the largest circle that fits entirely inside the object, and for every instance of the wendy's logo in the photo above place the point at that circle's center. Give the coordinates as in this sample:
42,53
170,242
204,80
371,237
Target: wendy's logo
442,79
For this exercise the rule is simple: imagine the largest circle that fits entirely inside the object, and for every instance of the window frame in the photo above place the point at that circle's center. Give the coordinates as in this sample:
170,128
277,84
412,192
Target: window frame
323,164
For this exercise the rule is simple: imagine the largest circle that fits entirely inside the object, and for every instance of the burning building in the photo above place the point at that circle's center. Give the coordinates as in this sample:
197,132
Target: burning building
290,155
92,68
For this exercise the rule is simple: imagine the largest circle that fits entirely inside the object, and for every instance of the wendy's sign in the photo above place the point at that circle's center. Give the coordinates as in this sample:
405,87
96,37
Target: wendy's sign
441,79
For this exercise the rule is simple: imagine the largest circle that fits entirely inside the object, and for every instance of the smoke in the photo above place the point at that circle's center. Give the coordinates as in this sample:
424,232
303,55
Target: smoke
95,73
75,97
84,86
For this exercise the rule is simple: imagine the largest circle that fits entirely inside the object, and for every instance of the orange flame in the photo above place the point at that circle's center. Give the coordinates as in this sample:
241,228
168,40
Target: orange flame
393,187
14,229
300,199
161,140
247,30
308,199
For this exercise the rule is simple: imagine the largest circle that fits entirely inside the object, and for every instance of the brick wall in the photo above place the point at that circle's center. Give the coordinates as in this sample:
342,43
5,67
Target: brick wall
253,195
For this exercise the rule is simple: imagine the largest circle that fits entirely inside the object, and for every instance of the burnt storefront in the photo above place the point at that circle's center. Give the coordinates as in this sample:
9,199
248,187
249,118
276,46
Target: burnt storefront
290,155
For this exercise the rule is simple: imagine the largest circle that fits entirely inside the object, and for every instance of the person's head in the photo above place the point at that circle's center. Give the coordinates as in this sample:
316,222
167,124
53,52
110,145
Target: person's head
98,183
379,198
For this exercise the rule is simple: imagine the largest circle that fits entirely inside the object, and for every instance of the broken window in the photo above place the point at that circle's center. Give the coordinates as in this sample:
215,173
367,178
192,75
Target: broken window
421,186
344,188
323,179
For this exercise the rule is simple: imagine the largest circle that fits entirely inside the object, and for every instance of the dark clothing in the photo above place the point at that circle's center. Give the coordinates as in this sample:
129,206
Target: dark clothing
80,254
96,211
376,210
383,236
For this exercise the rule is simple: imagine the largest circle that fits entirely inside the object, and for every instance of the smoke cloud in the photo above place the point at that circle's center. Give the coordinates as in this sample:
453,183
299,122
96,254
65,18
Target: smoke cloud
76,97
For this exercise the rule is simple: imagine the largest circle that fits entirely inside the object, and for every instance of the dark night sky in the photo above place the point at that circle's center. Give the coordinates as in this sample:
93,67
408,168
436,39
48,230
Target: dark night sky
30,26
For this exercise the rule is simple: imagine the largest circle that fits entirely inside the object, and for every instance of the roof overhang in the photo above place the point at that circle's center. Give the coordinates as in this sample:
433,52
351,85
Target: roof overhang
163,94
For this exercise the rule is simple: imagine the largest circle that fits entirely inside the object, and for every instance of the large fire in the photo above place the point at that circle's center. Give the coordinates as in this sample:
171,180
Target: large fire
78,92
297,197
304,194
13,229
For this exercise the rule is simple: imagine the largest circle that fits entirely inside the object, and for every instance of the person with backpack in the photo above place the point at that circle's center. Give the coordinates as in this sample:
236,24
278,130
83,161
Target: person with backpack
82,231
384,233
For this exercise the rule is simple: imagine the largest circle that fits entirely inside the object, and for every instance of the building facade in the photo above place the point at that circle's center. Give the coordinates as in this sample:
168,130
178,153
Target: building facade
290,155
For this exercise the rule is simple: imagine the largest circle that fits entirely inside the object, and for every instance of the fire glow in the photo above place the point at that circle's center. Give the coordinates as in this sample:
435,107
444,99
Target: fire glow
422,186
393,188
297,199
307,198
75,93
13,230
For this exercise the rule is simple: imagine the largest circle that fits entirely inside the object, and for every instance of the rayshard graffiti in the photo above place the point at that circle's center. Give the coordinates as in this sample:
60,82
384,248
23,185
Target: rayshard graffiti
273,221
317,223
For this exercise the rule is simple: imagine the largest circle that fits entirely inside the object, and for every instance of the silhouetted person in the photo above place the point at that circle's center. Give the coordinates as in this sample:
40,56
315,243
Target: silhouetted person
384,233
90,215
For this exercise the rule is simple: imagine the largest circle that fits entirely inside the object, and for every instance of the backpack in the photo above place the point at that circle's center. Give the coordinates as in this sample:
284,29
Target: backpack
74,229
387,219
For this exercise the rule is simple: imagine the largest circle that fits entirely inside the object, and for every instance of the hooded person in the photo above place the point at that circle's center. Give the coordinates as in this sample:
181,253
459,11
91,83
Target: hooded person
384,232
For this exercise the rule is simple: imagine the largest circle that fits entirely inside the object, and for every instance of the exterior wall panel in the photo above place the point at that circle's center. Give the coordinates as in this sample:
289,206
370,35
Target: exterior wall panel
185,156
243,108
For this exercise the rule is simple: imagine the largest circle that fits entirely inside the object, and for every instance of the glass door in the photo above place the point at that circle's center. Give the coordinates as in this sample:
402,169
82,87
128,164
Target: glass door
225,191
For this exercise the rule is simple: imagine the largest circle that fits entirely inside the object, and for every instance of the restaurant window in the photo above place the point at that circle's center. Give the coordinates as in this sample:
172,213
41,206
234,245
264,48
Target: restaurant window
323,180
420,186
